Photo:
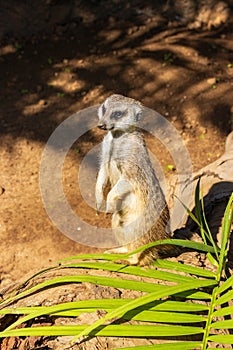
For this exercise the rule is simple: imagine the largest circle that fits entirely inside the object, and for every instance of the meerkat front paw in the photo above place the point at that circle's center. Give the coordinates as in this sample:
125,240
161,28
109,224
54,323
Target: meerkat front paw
111,202
111,207
100,207
100,204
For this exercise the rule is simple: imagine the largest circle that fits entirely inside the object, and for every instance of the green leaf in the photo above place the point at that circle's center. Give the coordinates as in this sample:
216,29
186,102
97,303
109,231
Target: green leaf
212,260
91,304
106,281
73,309
139,302
108,304
102,256
223,311
133,270
198,211
176,266
189,345
226,324
24,91
194,295
171,167
18,46
60,94
226,229
162,317
66,308
179,306
225,298
222,338
226,285
136,331
50,60
179,242
42,331
208,234
152,331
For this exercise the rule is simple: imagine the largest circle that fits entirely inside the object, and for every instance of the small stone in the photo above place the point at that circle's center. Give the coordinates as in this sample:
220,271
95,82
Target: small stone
203,130
2,190
42,103
211,81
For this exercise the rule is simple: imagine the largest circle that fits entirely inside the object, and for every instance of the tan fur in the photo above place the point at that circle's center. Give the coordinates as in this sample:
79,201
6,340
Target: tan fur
140,213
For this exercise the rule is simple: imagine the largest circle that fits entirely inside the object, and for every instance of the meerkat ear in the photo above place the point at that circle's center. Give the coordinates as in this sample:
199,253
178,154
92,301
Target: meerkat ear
101,111
138,113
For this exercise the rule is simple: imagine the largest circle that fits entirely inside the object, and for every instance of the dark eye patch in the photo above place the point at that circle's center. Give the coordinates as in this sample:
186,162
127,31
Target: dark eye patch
103,109
117,115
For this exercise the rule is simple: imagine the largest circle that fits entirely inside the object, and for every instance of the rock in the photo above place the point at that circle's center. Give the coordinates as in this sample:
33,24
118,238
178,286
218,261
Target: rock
211,81
216,181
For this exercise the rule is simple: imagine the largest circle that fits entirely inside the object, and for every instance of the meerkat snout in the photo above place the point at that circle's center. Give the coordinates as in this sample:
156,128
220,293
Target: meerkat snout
105,126
102,126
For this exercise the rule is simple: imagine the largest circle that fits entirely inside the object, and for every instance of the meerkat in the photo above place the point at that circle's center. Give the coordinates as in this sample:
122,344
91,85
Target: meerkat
139,210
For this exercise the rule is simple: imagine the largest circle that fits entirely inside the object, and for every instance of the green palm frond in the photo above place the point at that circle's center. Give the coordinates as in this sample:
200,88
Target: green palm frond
179,300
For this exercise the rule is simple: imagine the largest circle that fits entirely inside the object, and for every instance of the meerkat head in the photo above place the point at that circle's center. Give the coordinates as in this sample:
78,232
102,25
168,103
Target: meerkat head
118,112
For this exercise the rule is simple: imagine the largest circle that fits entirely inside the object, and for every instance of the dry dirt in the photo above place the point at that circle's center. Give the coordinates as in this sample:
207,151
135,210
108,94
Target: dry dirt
185,75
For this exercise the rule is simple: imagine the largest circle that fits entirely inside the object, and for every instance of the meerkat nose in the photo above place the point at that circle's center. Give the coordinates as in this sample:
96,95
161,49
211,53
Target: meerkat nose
102,126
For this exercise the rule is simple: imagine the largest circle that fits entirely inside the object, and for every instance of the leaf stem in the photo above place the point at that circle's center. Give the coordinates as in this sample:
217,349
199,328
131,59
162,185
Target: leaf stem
209,319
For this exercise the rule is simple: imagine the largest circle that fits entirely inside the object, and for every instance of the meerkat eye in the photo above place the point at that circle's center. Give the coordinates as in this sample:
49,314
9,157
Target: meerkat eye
116,115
